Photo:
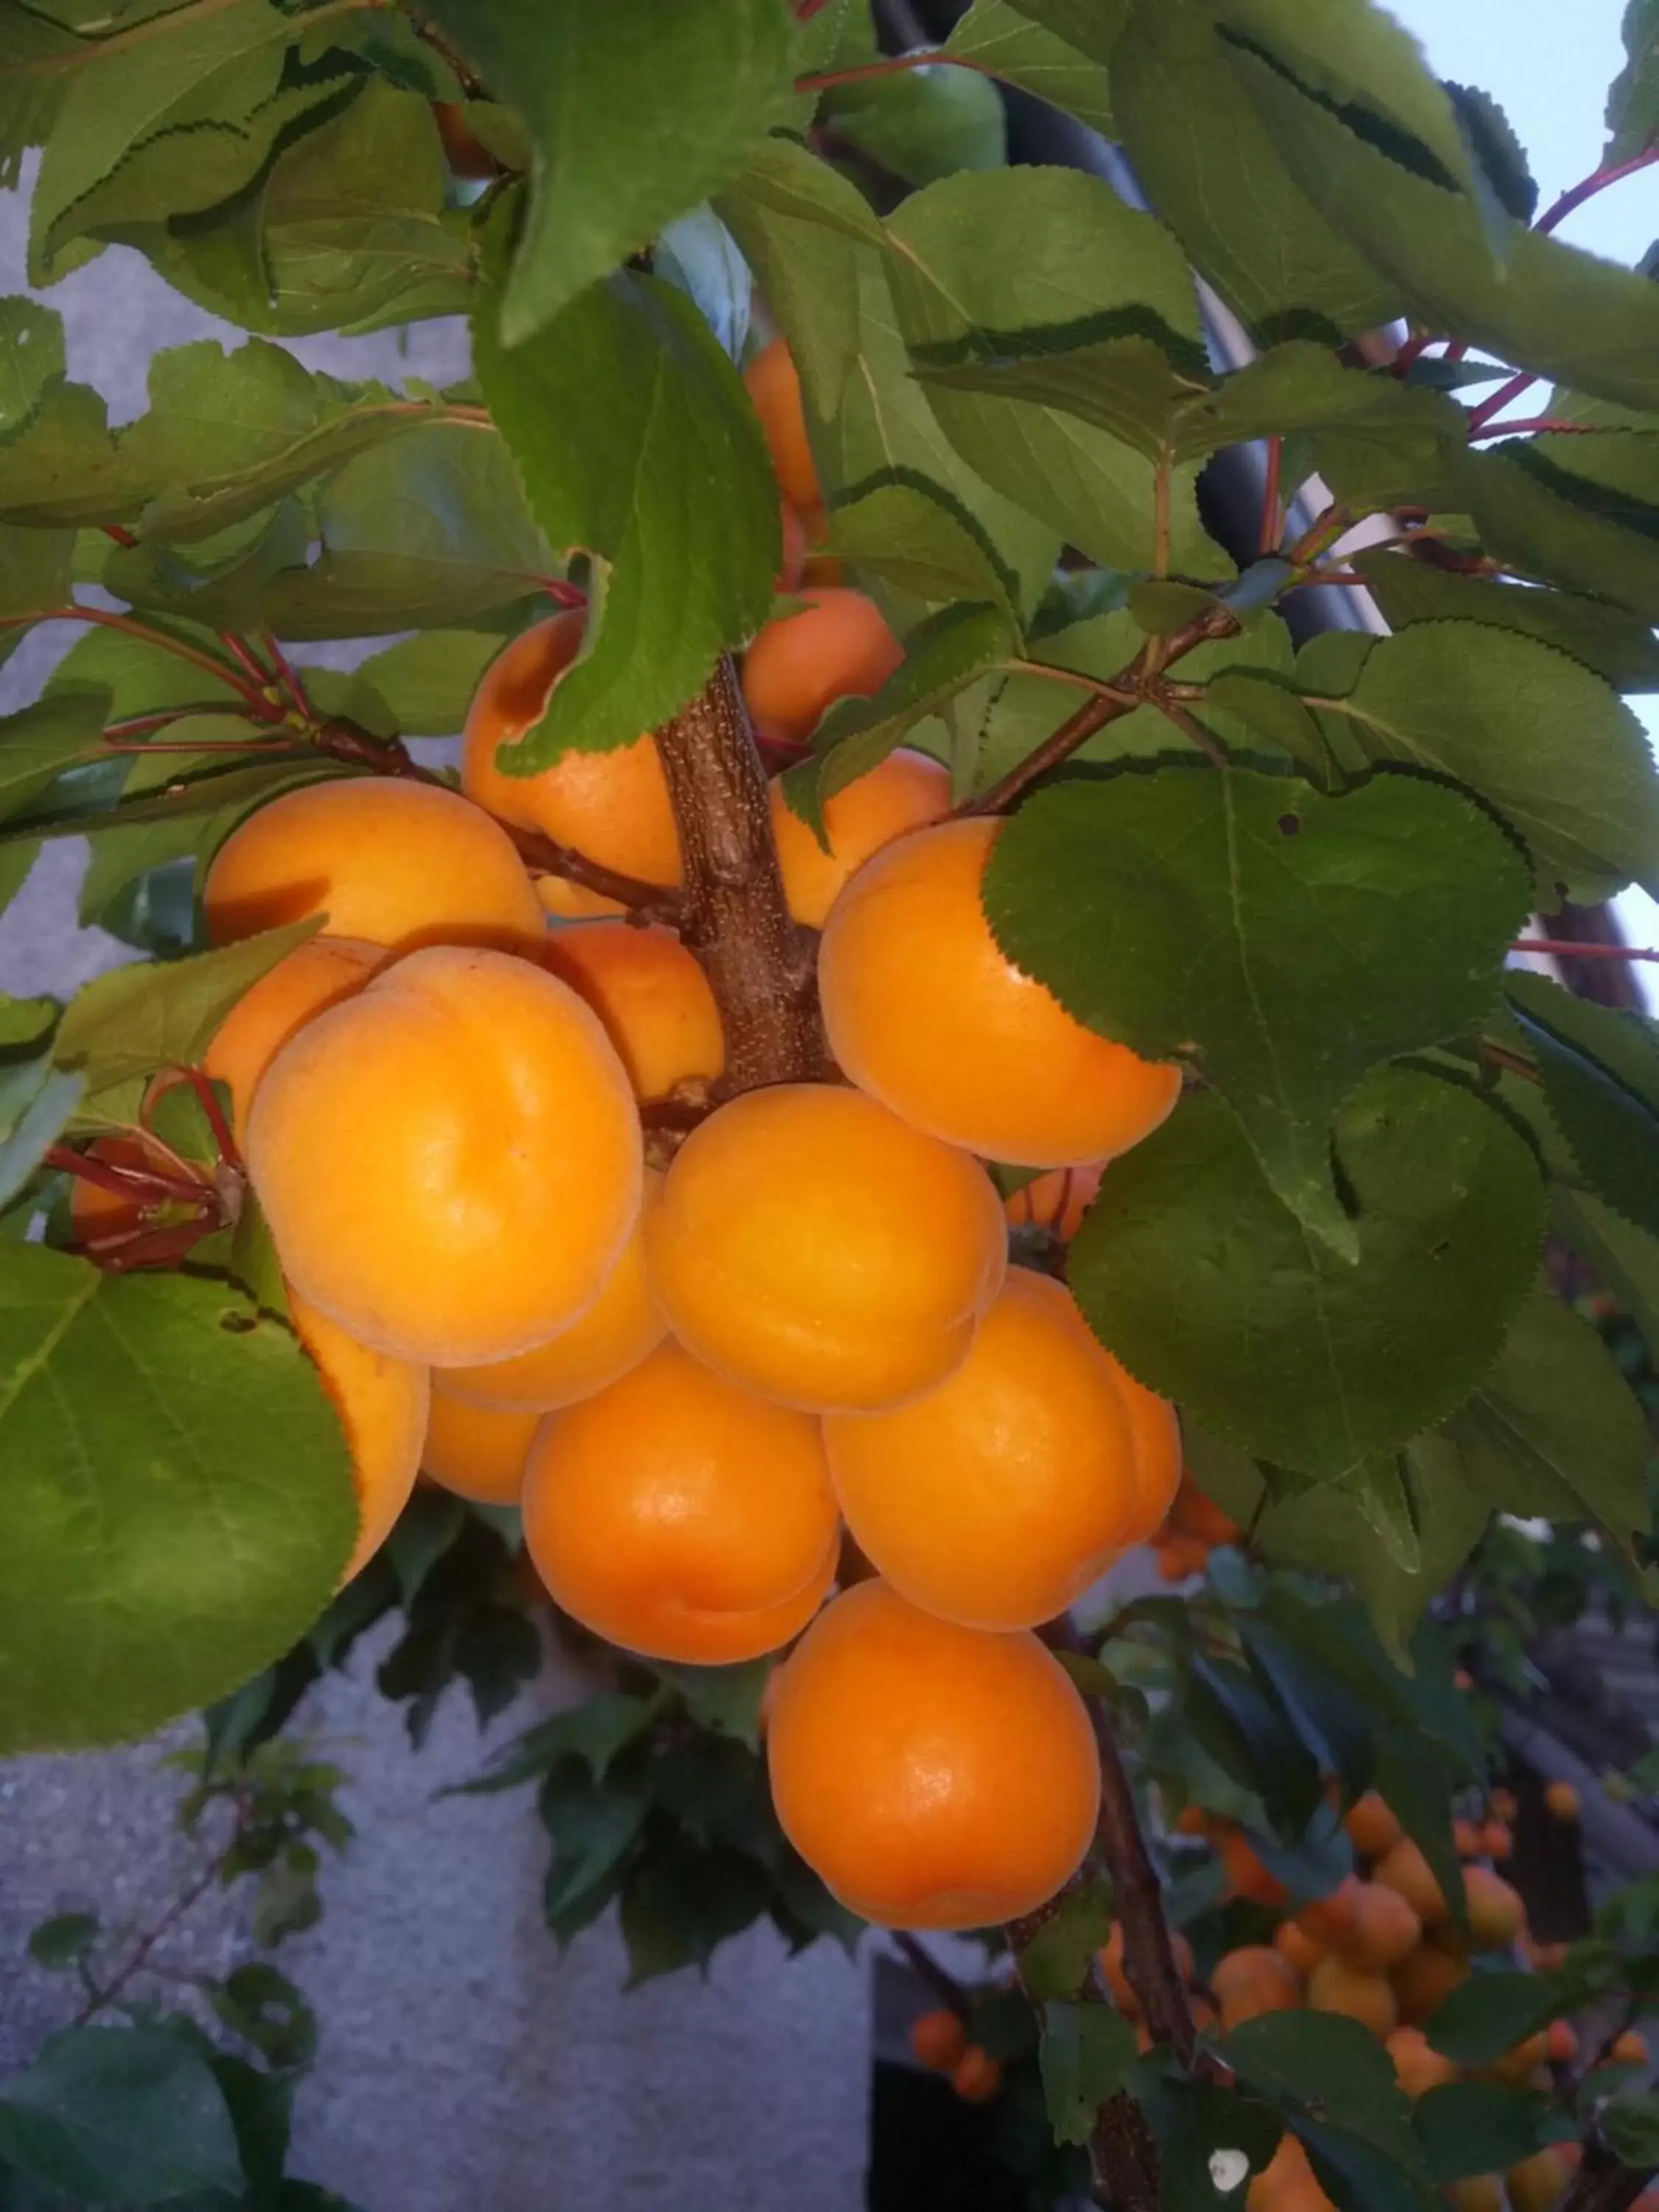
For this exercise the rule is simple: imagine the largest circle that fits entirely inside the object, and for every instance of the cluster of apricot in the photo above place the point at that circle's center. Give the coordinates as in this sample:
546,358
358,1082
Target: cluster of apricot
940,2041
688,1378
1382,1949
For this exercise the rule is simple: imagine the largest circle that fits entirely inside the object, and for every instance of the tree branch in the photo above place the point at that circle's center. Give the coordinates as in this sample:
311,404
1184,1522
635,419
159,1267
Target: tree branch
731,912
943,1984
1604,2183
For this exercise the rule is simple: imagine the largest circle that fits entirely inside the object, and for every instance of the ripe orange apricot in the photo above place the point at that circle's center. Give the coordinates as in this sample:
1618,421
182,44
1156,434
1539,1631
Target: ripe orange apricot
1335,1986
938,2040
1372,1828
792,541
997,1498
1286,2183
612,807
933,1775
1497,1915
977,2076
651,994
1192,1514
449,1161
1056,1201
563,900
401,865
623,1324
1467,1838
1630,2049
1329,1920
1252,1980
1385,1929
677,1515
1482,2193
905,792
1402,1867
837,644
1496,1841
1298,1948
1246,1876
382,1403
926,1012
315,974
1180,1556
1539,2182
477,1451
1561,2043
1561,1801
775,388
813,1247
1419,2066
1425,1978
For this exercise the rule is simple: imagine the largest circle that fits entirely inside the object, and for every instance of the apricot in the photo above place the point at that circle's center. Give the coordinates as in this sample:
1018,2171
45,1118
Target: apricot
1630,2049
1329,1920
1539,2182
933,1775
1178,1557
1467,1838
1056,1201
400,865
613,806
997,1498
1252,1980
938,2040
1371,1826
681,1517
926,1012
813,1247
1425,1978
314,975
450,1160
1246,1876
1286,2183
477,1451
1561,1801
1560,2043
623,1324
1497,1915
651,994
837,644
977,2076
1109,1959
1481,2192
1402,1867
1419,2066
1505,1804
1335,1986
792,542
1385,1929
906,792
563,900
1496,1841
1195,1515
1298,1948
775,388
382,1404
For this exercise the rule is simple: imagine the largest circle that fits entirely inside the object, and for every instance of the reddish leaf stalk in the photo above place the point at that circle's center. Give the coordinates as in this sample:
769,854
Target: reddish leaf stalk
1268,535
222,671
890,65
1565,948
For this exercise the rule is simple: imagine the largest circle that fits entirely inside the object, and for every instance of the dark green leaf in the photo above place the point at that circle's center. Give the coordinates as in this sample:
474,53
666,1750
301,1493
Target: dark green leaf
1018,261
1085,2055
1624,1260
119,2115
591,1822
117,1031
37,742
1617,646
1544,519
683,1901
265,2010
1536,735
686,574
725,1699
1480,2127
1630,2124
1310,975
1633,96
1601,1077
63,1940
1328,1717
1211,1292
637,115
911,535
1246,1731
1010,42
202,1555
1208,2137
1056,1961
1490,2014
923,124
36,1101
1498,153
1329,2068
595,1731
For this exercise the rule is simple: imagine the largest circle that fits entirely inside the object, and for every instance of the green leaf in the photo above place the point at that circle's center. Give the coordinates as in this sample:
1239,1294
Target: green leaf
36,1101
592,1823
63,1940
1085,2055
1311,975
1617,646
1537,736
686,575
1601,1079
1055,1963
925,124
1093,26
1624,1259
1499,155
594,1732
1020,260
423,533
1328,2068
31,358
637,114
427,682
262,2007
1553,1431
726,1700
1459,263
1214,170
125,2116
684,1902
176,1473
1010,42
1633,96
1212,1293
1467,2128
37,742
1630,2124
1543,520
123,1027
911,536
1490,2014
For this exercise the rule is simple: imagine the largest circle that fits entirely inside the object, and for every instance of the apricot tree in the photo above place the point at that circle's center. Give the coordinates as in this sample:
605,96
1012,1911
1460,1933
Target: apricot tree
950,1018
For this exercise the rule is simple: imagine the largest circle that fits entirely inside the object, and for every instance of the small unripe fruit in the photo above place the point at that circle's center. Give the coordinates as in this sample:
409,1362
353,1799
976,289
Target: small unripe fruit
977,2076
1561,1800
1403,1868
1497,1915
1385,1929
1371,1825
1630,2049
938,2040
1425,1978
1298,1950
1539,2182
1246,1876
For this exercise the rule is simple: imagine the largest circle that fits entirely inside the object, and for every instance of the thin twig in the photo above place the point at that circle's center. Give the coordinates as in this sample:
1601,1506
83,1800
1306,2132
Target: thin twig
1191,728
1565,948
942,1982
139,1956
890,65
222,671
1268,535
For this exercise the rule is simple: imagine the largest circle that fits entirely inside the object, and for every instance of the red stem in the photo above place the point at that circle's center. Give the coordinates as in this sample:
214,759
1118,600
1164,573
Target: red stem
1531,422
1598,182
561,594
221,671
244,653
1268,535
207,1099
1565,948
287,674
196,745
891,65
123,1182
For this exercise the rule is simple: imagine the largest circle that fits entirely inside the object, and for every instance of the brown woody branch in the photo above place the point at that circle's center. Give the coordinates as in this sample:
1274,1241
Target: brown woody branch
1604,2183
732,911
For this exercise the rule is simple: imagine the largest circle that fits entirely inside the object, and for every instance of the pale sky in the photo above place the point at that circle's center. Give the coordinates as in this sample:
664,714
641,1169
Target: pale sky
1548,63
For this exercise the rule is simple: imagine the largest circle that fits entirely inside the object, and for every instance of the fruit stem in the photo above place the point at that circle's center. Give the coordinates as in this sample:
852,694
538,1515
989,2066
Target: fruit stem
732,913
